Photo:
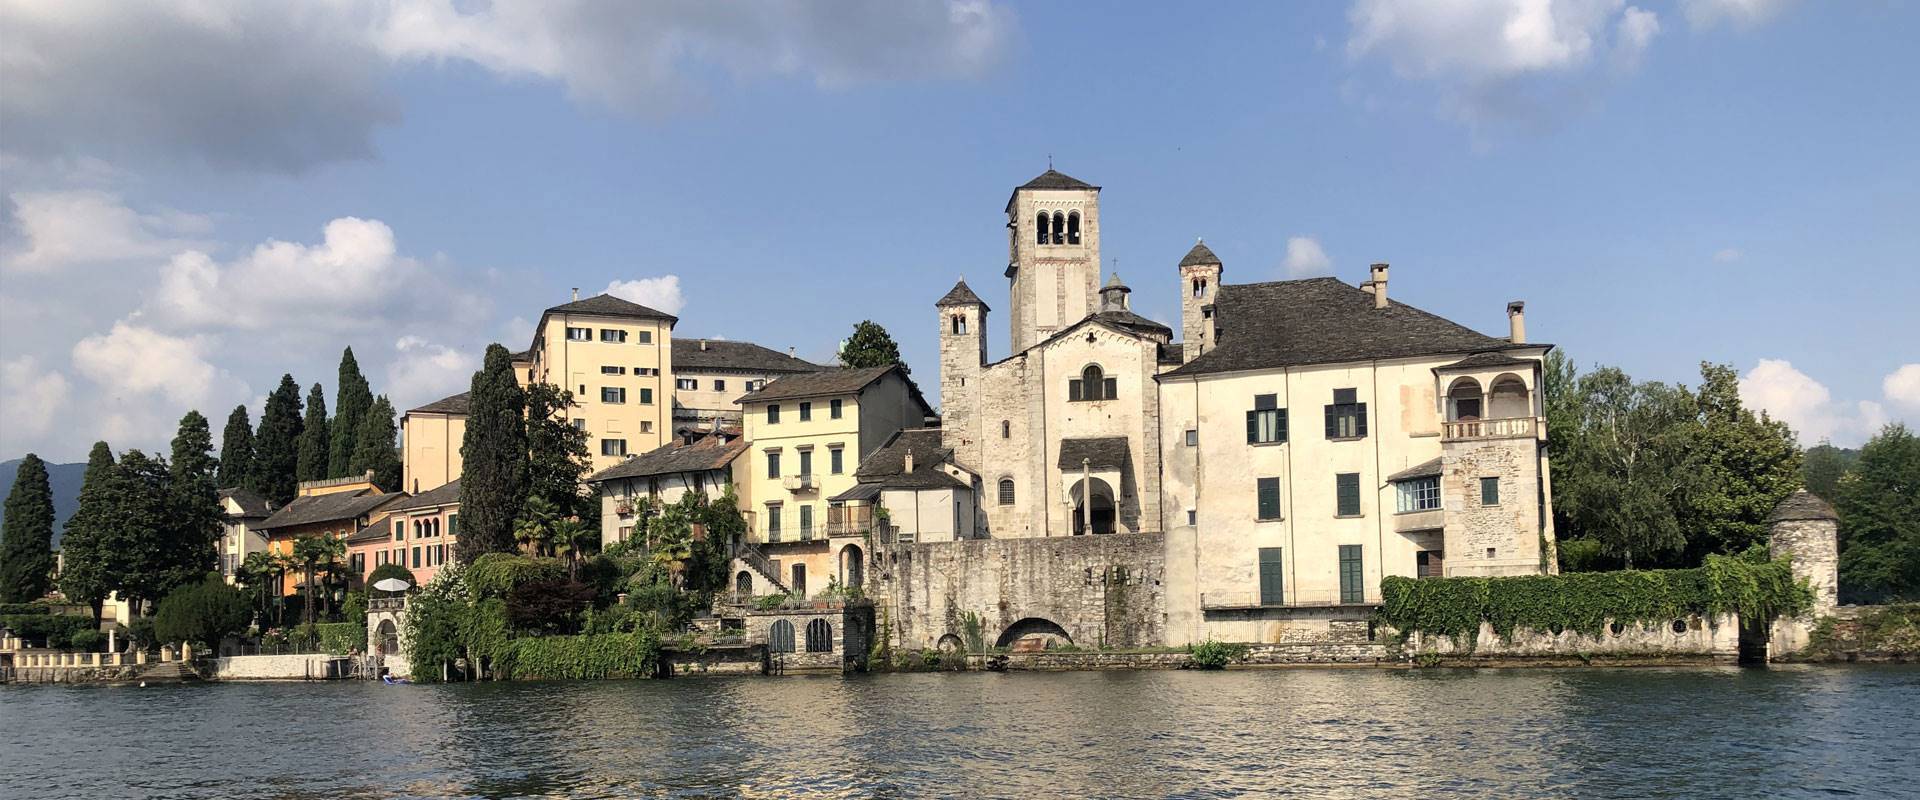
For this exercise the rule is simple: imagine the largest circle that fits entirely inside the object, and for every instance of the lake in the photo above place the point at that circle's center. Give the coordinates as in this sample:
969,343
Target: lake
1629,733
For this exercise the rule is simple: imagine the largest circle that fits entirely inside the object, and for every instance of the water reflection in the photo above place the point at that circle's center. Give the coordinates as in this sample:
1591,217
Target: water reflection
1320,733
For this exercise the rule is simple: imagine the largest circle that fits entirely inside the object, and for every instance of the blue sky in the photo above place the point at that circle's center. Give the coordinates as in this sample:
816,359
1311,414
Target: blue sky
1662,183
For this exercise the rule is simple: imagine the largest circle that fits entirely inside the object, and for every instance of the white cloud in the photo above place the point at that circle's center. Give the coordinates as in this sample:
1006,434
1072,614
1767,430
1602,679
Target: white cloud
132,358
1902,386
1808,406
661,294
1633,35
1739,13
31,398
422,371
1305,257
1728,255
61,229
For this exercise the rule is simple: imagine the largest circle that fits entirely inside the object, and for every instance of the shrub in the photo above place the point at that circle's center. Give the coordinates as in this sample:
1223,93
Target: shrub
87,640
202,613
48,630
140,632
548,606
24,609
1216,655
496,574
612,655
770,602
354,608
341,638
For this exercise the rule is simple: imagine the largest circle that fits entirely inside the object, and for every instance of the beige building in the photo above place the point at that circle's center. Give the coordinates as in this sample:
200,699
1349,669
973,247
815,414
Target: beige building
806,434
430,439
909,491
698,461
241,511
616,356
710,376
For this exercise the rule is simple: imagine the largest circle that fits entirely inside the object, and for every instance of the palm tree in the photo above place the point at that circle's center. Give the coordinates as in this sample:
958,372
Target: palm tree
283,563
671,536
332,552
257,573
572,539
309,551
535,525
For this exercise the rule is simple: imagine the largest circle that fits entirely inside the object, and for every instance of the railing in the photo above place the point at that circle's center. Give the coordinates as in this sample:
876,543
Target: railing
1509,428
801,483
386,604
849,520
1330,598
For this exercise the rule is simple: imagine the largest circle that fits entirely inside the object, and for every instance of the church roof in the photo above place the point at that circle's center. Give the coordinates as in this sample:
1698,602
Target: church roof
1323,321
1055,179
1199,255
1103,452
1131,321
961,295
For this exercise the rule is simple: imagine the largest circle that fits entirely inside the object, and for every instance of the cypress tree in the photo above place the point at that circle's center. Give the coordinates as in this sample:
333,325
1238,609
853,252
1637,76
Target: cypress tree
376,450
236,449
26,540
83,549
493,483
349,407
196,514
316,440
276,453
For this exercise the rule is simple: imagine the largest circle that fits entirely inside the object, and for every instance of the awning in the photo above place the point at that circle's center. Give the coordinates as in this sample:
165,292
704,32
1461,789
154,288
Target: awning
859,492
1102,453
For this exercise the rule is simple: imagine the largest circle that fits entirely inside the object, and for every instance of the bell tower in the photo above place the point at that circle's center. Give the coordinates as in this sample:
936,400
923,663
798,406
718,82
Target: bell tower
1053,255
963,353
1199,282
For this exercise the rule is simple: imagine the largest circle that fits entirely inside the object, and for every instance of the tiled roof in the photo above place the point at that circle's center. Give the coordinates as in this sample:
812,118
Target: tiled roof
1131,321
1425,469
1802,505
328,508
961,295
1172,353
815,384
886,467
726,354
1322,321
713,451
1486,361
607,305
251,504
1055,179
454,404
446,494
1199,255
1104,452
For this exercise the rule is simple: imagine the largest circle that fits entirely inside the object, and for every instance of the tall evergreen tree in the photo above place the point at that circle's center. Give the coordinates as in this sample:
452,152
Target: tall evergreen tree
1747,464
316,440
493,483
557,451
375,448
140,498
350,405
276,447
870,346
236,449
26,539
195,503
84,575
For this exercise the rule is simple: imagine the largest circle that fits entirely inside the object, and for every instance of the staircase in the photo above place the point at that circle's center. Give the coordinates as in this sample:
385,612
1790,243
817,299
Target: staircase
167,672
750,553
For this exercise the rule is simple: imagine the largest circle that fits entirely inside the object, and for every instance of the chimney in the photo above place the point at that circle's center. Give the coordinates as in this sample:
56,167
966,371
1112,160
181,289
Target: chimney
1517,322
1379,281
703,344
576,293
790,350
908,465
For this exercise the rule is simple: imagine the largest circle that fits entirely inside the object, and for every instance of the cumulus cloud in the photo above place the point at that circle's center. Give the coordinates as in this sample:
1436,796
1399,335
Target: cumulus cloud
160,78
422,371
1738,13
53,230
132,358
1902,387
1808,406
1306,258
32,397
661,294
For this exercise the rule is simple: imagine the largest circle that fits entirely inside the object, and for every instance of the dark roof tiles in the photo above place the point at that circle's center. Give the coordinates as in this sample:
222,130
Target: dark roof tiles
1199,255
328,508
1424,469
607,305
445,494
1055,179
745,356
455,404
1802,505
1104,452
710,452
816,384
251,504
886,467
961,295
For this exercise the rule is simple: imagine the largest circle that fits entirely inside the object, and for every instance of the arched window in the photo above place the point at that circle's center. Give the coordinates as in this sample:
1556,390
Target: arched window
743,584
1006,491
1059,228
1073,228
1093,384
960,324
1199,287
819,636
1041,224
780,637
1464,400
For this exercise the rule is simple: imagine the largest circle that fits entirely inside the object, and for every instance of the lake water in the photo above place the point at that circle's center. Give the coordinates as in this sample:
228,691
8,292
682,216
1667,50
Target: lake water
1629,733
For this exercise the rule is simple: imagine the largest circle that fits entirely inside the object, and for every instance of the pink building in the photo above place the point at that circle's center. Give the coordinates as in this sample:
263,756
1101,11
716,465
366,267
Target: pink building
417,533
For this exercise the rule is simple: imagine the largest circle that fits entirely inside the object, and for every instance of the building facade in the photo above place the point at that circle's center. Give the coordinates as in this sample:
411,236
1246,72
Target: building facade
337,508
710,376
415,532
241,511
616,357
431,436
704,462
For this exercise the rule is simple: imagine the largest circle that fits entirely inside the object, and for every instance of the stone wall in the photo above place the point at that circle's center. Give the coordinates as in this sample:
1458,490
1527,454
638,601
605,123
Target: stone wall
852,638
278,668
1715,639
1101,590
744,659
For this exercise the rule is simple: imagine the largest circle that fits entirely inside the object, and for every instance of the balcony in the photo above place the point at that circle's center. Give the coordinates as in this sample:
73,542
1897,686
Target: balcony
800,483
849,520
1508,428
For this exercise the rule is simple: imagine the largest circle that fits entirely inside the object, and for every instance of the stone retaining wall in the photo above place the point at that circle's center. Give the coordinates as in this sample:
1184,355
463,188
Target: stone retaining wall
750,659
1712,639
278,668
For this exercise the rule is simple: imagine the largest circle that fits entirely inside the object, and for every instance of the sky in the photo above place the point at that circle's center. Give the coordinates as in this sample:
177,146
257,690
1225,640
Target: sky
201,196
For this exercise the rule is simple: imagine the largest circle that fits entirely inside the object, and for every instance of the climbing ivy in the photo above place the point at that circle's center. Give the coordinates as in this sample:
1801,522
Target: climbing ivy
1587,601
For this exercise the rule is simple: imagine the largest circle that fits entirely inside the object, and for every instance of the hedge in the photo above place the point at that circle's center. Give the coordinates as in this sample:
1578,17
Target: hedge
588,656
341,638
495,574
47,630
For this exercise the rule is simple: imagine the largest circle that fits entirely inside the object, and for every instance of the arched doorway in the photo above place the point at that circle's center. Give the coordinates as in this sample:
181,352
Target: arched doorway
1092,505
386,641
853,567
1031,634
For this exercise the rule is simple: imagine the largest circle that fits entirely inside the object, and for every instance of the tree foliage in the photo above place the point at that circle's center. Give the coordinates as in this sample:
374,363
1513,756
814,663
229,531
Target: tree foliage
1879,507
557,457
26,538
354,397
870,346
83,549
236,449
202,612
1822,466
140,563
195,513
276,449
1747,464
375,449
493,483
316,439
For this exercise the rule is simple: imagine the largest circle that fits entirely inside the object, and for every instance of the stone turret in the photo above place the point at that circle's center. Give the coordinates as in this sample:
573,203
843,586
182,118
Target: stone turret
963,352
1805,528
1199,282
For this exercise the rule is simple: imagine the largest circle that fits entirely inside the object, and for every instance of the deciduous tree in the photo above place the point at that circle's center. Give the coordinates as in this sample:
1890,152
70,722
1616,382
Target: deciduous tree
1627,466
26,539
202,612
493,483
870,346
557,457
1879,506
1746,463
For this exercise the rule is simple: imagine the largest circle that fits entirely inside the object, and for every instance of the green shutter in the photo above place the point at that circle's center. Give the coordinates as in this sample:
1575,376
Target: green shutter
1347,491
1360,421
1269,491
1352,586
1253,427
1272,581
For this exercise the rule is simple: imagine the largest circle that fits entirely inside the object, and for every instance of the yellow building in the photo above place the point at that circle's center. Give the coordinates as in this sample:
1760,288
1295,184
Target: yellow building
337,507
432,435
807,434
616,356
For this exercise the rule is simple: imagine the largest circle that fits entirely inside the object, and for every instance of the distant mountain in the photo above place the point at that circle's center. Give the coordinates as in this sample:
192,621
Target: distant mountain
65,480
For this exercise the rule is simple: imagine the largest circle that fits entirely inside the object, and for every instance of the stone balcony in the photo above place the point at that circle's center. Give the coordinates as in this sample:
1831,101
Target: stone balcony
1507,428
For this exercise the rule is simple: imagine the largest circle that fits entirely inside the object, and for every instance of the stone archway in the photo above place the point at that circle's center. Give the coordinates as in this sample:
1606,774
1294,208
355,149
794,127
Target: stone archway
1031,634
853,567
1095,506
386,641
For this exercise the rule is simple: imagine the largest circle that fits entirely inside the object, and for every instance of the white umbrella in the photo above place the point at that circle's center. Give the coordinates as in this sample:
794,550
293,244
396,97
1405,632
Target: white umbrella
392,585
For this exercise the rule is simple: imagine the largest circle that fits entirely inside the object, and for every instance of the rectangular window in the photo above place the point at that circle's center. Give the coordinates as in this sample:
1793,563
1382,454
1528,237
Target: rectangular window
646,426
646,396
1272,578
453,524
1489,491
1353,587
579,423
836,460
773,414
613,370
1418,494
579,334
806,411
612,394
1006,492
416,556
806,464
773,464
1075,392
1193,437
399,531
646,337
833,409
1193,517
806,522
685,384
773,522
1267,421
1269,491
1429,564
754,386
613,336
645,371
1346,417
1346,487
613,447
719,386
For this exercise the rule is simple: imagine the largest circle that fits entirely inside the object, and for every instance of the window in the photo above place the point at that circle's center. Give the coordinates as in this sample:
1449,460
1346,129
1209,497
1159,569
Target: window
799,583
646,337
1193,437
819,636
358,563
1059,228
1269,496
773,463
685,384
1418,494
579,334
612,394
1428,564
960,324
719,385
1040,226
613,336
1489,491
646,396
806,462
754,386
1267,422
773,414
453,524
613,447
1073,228
1199,287
806,522
645,371
780,637
646,426
613,370
806,411
1346,418
579,423
416,556
1006,491
1346,486
399,531
1272,578
1193,517
836,460
1006,429
1353,587
1092,385
773,522
834,408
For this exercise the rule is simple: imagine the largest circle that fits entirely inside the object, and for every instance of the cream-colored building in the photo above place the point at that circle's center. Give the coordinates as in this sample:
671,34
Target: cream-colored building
698,461
616,356
430,439
710,376
806,435
241,510
909,491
